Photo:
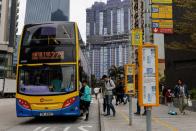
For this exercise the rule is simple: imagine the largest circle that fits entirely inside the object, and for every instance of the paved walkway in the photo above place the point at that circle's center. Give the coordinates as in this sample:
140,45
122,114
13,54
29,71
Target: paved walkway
161,121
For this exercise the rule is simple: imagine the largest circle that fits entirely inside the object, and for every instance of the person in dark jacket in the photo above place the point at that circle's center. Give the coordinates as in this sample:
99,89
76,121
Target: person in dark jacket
120,93
181,92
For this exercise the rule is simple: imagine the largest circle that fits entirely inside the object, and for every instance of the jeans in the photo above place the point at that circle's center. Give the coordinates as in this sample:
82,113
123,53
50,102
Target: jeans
139,108
109,104
104,104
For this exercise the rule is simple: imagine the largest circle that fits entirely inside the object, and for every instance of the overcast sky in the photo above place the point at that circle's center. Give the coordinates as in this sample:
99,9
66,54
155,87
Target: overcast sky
77,13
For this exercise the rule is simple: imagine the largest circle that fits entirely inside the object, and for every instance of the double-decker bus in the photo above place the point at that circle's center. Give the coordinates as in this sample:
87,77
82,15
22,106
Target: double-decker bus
50,69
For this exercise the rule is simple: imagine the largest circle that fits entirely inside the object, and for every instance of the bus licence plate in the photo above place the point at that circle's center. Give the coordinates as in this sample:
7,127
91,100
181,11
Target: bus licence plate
46,114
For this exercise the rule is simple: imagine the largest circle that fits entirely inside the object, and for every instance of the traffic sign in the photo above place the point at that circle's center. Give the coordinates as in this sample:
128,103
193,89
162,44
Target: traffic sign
162,1
148,75
161,11
137,37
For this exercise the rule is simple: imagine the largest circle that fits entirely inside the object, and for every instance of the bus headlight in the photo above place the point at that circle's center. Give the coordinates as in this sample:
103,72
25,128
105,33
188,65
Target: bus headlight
69,102
24,103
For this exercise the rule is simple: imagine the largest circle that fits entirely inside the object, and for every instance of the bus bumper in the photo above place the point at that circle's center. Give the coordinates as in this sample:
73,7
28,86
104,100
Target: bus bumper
72,110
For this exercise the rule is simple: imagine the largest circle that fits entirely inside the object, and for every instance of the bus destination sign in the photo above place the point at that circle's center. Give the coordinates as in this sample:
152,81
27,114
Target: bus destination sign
52,55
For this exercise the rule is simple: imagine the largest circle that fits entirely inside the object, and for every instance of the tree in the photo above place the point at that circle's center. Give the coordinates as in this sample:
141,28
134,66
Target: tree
186,22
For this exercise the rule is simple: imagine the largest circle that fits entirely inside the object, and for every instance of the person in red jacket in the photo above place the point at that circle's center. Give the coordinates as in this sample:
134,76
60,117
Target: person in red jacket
169,97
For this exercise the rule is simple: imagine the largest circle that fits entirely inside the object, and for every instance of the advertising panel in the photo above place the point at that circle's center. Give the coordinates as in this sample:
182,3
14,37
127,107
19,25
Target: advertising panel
148,75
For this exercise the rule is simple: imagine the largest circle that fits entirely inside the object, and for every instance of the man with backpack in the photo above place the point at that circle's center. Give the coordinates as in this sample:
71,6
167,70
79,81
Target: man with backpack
109,86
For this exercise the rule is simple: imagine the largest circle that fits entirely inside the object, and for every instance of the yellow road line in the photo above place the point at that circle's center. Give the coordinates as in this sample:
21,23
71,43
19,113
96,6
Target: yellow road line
124,116
157,120
165,124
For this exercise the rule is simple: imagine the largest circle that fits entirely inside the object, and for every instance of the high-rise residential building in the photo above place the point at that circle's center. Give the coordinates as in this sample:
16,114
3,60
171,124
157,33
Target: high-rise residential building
38,11
107,29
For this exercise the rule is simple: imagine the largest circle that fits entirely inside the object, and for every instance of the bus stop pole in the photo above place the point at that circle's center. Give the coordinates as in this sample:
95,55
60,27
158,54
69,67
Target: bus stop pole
130,110
148,118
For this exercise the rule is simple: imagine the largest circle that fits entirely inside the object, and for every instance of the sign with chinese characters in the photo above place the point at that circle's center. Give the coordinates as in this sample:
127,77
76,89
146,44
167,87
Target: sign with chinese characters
130,79
162,1
53,55
136,37
161,12
162,26
148,75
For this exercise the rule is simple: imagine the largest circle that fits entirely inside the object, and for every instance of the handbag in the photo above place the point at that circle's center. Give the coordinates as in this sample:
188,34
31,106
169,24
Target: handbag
185,101
190,103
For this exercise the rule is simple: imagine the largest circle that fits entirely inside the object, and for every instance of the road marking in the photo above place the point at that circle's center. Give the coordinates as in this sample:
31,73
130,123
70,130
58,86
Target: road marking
53,129
82,128
44,129
66,129
165,124
37,129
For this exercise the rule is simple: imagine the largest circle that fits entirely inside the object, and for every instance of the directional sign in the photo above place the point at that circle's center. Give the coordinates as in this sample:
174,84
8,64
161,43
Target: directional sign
161,11
137,37
162,1
162,23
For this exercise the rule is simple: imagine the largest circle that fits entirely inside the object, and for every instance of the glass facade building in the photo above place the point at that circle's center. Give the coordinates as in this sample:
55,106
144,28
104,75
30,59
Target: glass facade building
38,11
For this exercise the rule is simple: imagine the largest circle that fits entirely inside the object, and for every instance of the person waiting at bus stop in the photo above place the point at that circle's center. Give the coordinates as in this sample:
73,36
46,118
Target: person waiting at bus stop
109,86
85,98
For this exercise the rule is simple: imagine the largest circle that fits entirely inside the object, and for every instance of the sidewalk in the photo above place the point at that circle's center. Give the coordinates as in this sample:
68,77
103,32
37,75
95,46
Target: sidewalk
161,121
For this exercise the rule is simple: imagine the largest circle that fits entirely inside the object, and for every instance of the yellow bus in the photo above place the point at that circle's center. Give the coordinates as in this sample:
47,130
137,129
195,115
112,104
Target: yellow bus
50,68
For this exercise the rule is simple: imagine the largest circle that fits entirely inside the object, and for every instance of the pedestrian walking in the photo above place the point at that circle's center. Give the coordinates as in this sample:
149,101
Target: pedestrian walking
85,98
120,93
181,92
164,95
109,86
169,98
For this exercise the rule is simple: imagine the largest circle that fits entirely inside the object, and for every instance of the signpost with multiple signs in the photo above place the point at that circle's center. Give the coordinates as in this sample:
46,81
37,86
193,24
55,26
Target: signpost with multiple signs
148,78
162,16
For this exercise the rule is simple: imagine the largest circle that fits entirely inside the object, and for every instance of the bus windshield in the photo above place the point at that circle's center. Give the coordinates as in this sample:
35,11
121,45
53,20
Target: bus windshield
46,80
49,34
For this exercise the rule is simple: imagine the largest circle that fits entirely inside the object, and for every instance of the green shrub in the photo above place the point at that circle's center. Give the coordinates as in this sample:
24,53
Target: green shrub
193,93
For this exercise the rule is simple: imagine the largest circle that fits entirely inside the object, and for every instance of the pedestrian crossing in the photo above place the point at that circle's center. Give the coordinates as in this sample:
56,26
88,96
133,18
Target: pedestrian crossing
67,128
